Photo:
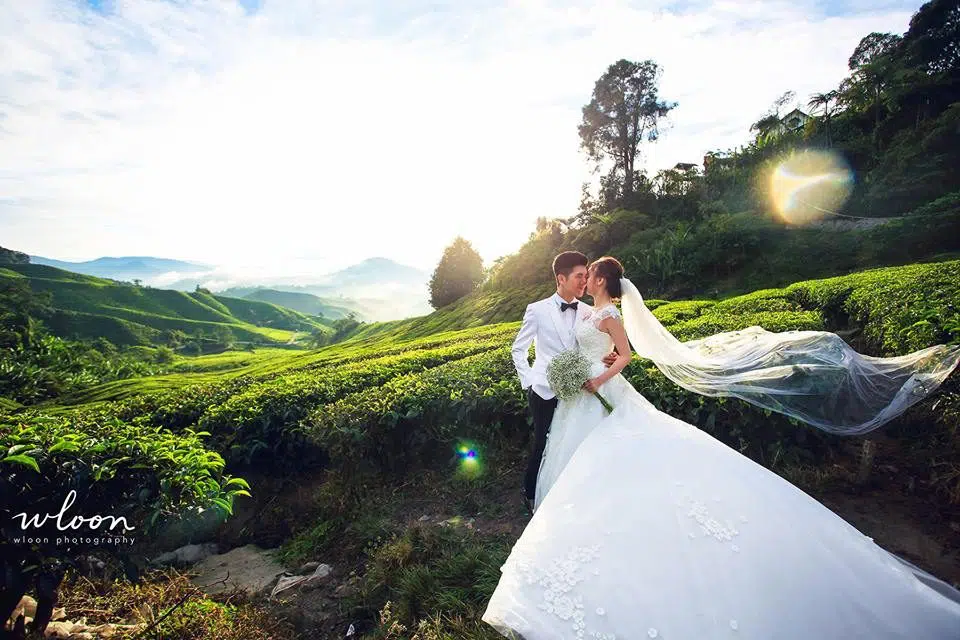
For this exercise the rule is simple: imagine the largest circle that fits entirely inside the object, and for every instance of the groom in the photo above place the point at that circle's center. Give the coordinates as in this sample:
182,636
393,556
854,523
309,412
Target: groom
548,323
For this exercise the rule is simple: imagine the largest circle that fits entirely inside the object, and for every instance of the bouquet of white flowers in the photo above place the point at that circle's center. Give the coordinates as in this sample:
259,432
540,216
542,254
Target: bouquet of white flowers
566,374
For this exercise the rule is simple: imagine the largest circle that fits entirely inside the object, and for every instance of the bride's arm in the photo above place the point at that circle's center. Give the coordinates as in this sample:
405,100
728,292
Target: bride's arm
613,326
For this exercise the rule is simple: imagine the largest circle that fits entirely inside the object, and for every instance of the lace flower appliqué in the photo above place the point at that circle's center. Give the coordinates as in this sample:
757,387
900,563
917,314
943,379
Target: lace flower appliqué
559,582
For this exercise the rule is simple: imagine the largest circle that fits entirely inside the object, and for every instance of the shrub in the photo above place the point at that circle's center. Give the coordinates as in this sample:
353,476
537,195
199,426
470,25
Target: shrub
113,470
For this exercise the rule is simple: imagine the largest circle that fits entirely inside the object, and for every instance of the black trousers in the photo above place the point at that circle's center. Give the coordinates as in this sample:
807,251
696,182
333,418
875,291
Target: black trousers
542,411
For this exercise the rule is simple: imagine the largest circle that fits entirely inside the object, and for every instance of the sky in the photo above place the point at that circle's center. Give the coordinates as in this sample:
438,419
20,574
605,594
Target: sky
269,134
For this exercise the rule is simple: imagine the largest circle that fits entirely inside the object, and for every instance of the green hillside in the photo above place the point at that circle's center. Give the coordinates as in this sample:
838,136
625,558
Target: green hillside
481,308
329,308
375,414
90,307
889,310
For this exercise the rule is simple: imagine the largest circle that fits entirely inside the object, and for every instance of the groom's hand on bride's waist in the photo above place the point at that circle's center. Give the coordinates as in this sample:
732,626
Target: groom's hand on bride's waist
610,358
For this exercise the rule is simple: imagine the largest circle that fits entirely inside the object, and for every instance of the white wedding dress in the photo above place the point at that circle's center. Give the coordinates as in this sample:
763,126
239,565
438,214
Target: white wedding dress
647,527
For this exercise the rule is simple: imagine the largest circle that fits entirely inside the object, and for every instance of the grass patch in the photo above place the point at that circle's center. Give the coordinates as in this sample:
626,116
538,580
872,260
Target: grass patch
194,616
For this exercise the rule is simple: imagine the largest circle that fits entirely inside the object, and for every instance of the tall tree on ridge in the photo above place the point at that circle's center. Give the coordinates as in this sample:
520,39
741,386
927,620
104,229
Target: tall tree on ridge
624,110
458,273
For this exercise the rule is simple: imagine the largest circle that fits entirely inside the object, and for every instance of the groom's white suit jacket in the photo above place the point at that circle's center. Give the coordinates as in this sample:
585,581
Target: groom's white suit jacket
551,330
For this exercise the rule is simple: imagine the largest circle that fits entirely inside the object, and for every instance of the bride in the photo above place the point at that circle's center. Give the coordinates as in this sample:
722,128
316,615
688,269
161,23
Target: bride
647,527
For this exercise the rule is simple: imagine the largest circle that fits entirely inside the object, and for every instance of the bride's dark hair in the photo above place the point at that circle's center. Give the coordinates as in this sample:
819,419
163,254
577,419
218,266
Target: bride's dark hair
611,271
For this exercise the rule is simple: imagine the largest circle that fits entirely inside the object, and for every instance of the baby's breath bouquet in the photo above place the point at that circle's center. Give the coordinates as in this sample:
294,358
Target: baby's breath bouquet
567,372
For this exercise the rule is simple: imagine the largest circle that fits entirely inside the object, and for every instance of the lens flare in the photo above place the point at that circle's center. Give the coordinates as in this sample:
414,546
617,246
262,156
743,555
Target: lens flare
810,185
469,460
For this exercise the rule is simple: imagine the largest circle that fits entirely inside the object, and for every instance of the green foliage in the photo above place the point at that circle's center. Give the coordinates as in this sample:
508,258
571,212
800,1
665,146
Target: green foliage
51,367
770,309
122,479
900,309
531,266
458,273
202,619
417,417
264,418
427,570
390,403
36,366
256,417
339,330
186,612
711,323
672,312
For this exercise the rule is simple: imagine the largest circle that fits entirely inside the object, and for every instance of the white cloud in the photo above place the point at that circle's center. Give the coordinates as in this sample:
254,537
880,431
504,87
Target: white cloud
338,131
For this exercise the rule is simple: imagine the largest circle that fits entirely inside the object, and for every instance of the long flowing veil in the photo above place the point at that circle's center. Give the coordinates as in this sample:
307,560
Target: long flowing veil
813,376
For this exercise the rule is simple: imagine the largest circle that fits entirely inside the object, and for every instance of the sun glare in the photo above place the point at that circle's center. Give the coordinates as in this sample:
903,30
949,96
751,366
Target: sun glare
810,185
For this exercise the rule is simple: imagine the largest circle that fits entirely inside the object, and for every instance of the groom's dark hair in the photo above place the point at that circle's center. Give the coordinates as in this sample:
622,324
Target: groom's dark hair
564,263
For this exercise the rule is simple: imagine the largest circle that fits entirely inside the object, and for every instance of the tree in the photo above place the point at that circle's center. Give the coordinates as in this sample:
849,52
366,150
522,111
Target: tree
20,312
459,271
343,327
625,109
768,126
933,38
871,49
872,64
319,338
223,338
822,101
784,99
173,338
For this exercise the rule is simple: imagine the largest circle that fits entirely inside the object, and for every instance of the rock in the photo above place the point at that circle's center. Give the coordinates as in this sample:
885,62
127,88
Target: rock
94,563
188,554
424,518
322,571
307,568
286,582
311,613
249,569
314,580
59,613
348,588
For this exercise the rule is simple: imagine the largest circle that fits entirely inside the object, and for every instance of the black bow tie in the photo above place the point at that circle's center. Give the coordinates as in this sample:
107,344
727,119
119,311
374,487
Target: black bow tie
568,305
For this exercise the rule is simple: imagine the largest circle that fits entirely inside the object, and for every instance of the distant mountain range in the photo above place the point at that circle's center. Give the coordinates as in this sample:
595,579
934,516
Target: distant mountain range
126,268
374,289
378,271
